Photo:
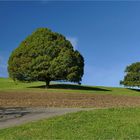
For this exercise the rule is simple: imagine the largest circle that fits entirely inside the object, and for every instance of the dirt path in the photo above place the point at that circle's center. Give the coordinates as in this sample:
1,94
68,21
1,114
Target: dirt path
33,106
16,116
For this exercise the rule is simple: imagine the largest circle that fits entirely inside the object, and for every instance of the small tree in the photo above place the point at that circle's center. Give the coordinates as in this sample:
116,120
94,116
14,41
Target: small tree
132,77
46,56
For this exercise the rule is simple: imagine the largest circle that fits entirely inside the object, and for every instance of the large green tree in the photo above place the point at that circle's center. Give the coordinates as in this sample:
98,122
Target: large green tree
46,56
132,77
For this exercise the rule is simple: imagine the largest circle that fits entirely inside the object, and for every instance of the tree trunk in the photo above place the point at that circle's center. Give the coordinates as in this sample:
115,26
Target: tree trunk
47,83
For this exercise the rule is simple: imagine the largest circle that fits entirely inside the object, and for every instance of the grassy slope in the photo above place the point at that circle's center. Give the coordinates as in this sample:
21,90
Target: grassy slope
113,124
9,85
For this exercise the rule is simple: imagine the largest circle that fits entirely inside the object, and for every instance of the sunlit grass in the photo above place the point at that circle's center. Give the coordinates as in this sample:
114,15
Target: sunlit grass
105,124
8,85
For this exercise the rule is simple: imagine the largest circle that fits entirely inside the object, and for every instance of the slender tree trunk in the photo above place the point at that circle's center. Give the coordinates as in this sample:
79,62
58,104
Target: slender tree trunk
47,83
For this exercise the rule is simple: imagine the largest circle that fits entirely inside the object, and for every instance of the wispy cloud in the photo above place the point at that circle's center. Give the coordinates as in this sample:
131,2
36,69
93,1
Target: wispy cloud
3,70
74,42
3,66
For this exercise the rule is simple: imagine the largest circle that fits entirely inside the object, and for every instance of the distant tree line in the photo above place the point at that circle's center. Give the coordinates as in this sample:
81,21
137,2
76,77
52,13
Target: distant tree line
132,77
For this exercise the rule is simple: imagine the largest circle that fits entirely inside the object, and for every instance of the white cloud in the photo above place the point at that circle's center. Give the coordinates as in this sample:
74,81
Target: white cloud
74,42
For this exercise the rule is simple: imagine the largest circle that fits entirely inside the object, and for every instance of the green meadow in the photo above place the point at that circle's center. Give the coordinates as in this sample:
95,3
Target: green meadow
103,124
8,85
98,124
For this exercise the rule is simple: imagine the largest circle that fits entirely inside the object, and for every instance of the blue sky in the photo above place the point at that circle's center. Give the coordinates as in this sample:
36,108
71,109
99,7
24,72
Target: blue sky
106,33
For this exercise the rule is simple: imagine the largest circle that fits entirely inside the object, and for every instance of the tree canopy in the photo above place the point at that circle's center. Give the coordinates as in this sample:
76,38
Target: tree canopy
46,56
132,77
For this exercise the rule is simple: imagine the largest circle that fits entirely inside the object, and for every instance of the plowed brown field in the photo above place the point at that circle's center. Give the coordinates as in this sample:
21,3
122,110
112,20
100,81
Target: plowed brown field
34,99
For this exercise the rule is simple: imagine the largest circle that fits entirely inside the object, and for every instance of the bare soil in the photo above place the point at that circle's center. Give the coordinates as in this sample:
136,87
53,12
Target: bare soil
34,99
21,107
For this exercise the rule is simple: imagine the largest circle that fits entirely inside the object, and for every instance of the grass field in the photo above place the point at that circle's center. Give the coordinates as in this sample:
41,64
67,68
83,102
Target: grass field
100,124
64,95
8,85
105,124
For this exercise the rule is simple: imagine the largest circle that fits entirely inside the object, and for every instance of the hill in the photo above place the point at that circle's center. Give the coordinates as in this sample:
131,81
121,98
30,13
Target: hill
8,85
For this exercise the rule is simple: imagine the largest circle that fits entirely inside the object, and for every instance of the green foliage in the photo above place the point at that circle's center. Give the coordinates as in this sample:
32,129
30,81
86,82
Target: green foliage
46,56
103,124
132,77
